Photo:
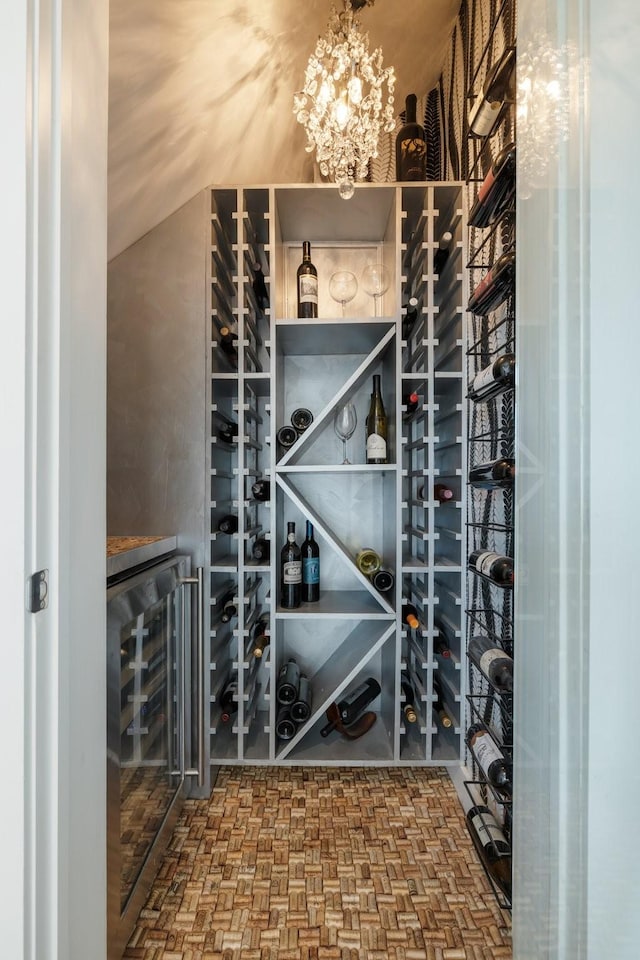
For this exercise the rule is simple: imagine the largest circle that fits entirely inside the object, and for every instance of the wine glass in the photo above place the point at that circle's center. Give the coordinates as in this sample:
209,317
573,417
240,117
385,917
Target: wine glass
375,281
343,287
344,424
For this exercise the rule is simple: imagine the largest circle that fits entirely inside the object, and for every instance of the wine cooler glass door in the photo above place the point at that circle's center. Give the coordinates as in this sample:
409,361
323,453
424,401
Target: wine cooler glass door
146,726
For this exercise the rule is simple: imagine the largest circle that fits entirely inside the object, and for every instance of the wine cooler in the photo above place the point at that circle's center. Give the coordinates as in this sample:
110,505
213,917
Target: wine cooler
154,698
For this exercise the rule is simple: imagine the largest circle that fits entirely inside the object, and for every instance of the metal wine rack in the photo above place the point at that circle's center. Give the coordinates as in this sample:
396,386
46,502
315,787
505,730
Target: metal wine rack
490,513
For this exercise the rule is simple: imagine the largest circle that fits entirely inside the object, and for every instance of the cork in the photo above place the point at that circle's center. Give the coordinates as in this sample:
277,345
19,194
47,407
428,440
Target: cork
321,864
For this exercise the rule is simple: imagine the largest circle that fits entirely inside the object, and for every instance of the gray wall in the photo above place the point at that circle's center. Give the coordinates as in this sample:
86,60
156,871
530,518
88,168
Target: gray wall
156,400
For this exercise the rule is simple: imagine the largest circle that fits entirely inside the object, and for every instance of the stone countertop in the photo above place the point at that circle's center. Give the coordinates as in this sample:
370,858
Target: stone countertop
123,553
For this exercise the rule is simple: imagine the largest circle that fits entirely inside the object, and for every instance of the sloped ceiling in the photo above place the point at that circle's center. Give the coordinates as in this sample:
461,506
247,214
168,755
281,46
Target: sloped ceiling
201,92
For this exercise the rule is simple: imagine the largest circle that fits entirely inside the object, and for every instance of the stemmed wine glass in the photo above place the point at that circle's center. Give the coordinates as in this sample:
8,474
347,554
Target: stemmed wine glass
344,424
375,281
343,287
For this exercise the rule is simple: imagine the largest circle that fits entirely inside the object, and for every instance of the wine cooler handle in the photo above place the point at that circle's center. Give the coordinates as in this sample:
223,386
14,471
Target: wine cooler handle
199,771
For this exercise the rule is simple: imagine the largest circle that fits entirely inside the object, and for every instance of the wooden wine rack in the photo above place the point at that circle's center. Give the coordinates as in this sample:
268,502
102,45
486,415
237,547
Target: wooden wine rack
284,363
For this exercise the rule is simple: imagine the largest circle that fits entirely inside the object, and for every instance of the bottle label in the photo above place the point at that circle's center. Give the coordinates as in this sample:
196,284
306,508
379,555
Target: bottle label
482,288
487,829
485,562
292,572
489,181
311,570
413,158
308,288
483,379
489,657
376,447
485,751
484,116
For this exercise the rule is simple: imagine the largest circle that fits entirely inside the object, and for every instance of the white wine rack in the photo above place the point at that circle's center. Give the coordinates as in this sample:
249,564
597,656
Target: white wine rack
281,363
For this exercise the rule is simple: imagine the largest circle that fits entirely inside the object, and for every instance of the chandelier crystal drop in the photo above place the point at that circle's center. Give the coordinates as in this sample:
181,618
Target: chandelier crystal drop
342,104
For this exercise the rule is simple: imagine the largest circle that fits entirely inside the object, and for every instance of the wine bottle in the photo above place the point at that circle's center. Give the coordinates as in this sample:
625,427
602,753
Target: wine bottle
490,759
310,552
350,708
441,644
285,727
498,87
410,615
493,567
492,847
261,490
495,379
441,255
495,286
441,492
290,570
301,419
492,662
260,287
260,636
307,278
229,699
383,580
229,611
227,340
409,705
411,146
494,474
261,551
286,437
409,318
376,426
411,401
301,706
438,704
222,601
227,431
368,561
288,682
497,190
228,524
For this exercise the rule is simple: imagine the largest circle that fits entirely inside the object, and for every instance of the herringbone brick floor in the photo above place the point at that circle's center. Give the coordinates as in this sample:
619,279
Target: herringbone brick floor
322,864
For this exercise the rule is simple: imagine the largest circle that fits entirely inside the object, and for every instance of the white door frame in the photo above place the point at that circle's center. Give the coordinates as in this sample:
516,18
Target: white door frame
53,103
52,508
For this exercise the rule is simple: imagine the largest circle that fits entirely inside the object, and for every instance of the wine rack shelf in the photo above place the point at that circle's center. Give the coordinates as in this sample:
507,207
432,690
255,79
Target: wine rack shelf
264,363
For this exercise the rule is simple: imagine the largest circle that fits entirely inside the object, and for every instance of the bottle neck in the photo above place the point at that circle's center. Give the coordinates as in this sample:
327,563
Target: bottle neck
306,252
410,108
309,530
376,385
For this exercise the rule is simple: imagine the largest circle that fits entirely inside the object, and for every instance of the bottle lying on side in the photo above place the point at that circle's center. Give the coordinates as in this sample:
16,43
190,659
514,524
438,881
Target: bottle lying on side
495,767
495,287
494,567
491,845
353,705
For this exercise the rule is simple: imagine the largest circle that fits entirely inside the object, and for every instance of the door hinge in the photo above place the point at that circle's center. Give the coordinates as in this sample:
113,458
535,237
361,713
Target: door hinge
38,591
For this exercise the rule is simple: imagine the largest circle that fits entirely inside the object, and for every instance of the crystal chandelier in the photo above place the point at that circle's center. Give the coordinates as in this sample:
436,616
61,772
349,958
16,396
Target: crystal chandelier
341,103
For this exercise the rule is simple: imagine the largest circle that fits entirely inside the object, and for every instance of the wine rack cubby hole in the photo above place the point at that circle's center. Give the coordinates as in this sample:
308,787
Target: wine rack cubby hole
272,363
